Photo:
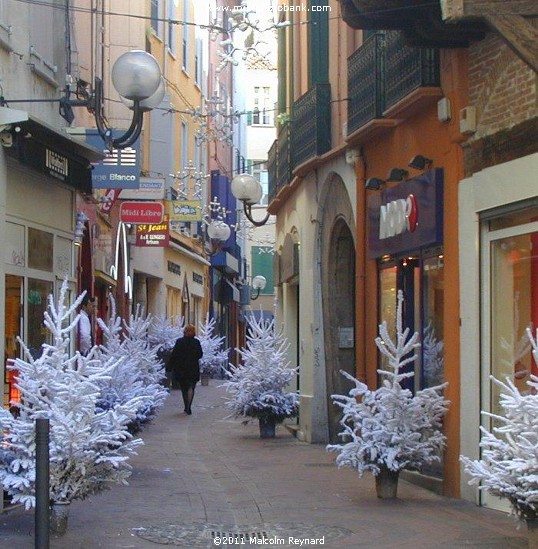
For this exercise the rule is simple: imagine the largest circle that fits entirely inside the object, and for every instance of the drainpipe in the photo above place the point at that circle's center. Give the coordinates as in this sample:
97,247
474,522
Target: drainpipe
360,271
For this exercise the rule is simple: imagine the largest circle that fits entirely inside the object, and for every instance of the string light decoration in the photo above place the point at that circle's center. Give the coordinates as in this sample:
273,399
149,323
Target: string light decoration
214,119
190,182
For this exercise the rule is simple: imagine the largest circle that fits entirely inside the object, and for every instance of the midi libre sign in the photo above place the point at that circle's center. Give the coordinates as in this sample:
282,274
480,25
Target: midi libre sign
138,213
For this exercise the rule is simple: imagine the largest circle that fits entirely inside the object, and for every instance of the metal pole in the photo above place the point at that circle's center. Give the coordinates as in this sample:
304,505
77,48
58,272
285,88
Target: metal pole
42,484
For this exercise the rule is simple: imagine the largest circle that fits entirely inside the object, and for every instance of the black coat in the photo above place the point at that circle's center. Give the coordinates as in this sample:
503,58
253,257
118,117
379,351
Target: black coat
183,361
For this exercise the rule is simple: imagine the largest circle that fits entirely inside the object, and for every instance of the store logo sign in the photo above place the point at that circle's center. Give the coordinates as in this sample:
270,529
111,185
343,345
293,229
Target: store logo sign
398,216
57,164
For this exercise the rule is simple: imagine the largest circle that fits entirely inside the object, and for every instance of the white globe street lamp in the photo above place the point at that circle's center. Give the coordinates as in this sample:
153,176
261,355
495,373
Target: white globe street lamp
248,190
258,283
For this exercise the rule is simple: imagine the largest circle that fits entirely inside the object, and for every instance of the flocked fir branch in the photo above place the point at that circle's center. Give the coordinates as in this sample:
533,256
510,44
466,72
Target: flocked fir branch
257,386
509,464
215,357
138,373
88,448
390,427
163,331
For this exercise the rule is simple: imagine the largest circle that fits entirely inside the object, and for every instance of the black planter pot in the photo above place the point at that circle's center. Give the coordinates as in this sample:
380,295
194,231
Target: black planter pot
267,427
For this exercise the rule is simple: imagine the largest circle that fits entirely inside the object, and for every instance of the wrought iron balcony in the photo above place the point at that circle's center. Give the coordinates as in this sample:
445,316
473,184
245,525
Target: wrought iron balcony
279,162
365,83
383,72
407,68
311,124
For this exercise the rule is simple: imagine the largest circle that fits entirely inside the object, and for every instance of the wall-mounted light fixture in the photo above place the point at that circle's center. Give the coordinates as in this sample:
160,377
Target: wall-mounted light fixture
137,77
374,183
258,283
218,232
419,162
248,189
397,174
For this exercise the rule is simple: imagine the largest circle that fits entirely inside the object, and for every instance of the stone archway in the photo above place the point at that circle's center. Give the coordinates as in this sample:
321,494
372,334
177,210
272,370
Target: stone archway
338,290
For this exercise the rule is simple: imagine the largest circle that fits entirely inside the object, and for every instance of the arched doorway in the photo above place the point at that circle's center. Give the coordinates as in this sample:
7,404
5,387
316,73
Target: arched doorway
338,290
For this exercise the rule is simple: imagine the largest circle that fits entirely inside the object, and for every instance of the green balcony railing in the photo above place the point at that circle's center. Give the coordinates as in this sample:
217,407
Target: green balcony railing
366,83
407,68
311,124
279,161
272,171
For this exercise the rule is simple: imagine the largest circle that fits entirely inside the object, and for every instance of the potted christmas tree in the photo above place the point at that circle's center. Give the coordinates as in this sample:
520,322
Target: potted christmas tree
390,429
89,448
137,372
215,358
257,385
509,465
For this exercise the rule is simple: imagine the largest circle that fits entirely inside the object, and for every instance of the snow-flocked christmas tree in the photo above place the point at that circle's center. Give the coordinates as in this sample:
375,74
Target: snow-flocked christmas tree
88,448
257,386
509,464
163,332
390,428
138,373
215,357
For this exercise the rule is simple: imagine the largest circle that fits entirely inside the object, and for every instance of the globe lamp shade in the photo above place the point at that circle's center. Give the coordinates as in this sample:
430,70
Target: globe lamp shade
259,282
247,188
218,230
150,102
136,75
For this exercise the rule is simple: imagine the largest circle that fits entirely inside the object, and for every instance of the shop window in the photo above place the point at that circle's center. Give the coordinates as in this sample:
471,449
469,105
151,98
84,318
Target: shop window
13,320
38,292
40,250
514,306
421,279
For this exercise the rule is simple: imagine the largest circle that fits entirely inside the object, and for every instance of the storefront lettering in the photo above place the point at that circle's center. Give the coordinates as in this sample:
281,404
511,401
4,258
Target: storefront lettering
398,216
56,163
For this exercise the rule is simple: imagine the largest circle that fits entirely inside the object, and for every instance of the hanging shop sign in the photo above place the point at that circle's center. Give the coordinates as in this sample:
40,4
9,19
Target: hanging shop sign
149,189
406,217
185,210
153,235
120,169
141,212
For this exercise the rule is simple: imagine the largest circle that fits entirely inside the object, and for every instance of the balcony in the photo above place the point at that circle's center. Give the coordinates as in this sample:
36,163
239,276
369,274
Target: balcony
279,162
388,81
366,90
407,68
311,124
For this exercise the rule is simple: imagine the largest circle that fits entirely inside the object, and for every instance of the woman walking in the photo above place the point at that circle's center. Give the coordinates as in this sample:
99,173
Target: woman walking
184,364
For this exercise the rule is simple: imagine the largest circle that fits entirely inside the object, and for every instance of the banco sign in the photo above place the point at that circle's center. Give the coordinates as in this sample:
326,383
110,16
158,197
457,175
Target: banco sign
398,216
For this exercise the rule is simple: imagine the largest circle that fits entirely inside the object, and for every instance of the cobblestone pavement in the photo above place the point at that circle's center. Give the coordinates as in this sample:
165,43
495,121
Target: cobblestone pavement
203,478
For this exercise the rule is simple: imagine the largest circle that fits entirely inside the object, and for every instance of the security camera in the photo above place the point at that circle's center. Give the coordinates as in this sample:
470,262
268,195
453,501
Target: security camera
6,139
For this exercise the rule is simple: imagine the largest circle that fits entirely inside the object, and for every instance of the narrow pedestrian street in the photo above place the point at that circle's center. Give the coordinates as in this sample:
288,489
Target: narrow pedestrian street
203,476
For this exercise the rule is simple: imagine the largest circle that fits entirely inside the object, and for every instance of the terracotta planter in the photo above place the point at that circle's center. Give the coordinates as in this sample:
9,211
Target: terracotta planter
532,533
267,427
59,515
386,483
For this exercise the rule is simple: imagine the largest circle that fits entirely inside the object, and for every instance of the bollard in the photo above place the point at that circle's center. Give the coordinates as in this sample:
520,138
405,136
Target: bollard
42,484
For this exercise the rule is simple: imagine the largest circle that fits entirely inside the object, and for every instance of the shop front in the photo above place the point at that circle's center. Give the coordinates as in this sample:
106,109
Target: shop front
499,292
40,175
405,238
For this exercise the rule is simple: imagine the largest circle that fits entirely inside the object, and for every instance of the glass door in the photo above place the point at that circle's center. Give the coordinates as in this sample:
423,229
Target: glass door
510,279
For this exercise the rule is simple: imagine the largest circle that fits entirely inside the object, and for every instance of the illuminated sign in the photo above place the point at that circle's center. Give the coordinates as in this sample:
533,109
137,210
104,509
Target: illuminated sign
398,216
